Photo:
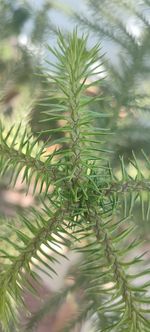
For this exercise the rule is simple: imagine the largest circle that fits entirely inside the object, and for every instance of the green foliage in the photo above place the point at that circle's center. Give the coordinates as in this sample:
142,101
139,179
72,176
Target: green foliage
82,211
23,29
125,27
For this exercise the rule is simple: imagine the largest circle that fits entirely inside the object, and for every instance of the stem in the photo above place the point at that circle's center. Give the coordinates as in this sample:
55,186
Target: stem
106,241
17,157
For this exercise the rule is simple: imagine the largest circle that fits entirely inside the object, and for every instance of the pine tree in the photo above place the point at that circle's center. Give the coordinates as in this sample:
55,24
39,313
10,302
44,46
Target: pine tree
82,211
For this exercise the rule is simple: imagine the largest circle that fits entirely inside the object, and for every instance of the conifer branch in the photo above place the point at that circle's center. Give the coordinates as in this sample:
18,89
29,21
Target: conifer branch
83,212
122,297
132,185
131,314
14,276
20,159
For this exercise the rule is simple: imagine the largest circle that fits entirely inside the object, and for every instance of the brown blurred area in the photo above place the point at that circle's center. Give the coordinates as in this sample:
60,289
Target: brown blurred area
51,322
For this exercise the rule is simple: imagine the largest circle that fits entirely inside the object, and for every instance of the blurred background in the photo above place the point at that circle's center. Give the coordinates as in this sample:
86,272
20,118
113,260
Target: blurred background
123,30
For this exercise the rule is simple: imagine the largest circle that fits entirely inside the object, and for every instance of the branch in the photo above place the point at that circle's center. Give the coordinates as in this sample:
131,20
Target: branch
124,297
15,274
127,186
19,160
